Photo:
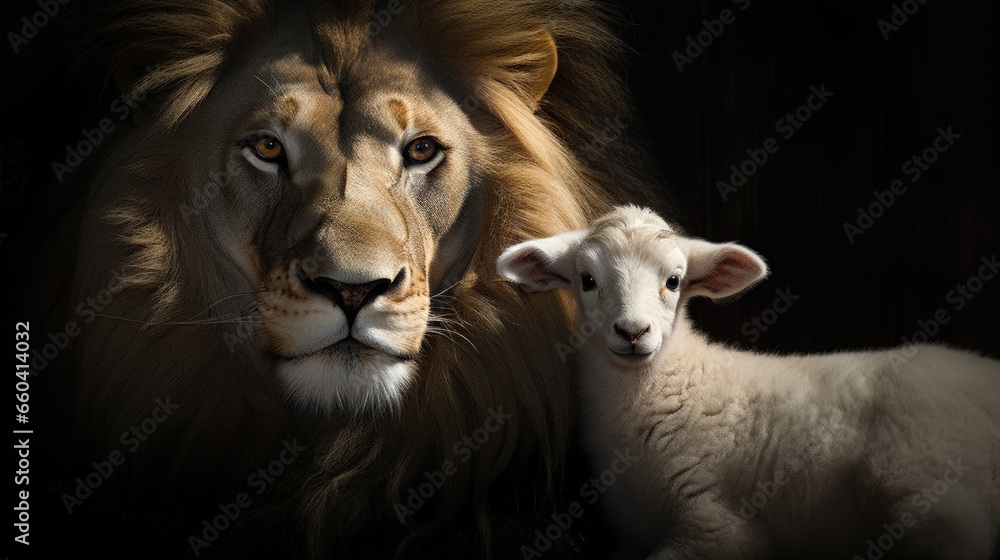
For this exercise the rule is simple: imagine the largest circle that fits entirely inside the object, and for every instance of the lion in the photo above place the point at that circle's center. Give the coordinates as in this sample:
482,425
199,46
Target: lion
301,228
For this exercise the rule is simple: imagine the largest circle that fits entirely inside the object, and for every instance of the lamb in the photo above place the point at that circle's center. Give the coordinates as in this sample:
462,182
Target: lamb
742,455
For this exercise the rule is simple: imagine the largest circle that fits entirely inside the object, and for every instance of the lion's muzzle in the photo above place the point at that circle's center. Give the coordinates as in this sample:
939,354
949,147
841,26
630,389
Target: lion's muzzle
346,322
351,296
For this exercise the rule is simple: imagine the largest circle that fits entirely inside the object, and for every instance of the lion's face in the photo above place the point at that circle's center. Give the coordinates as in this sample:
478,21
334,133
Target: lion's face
301,181
349,198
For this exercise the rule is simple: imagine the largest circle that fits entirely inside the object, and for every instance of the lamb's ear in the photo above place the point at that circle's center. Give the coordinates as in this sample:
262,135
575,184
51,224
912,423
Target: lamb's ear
720,270
542,264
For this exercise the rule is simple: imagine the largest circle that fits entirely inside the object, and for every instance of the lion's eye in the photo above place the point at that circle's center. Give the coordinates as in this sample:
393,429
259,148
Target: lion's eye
421,150
673,283
588,282
268,148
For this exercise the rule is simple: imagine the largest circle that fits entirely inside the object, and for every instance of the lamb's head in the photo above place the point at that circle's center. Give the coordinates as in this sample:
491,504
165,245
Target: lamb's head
632,274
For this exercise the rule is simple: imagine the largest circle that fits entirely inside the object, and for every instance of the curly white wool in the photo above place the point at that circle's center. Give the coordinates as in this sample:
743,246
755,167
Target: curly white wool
747,455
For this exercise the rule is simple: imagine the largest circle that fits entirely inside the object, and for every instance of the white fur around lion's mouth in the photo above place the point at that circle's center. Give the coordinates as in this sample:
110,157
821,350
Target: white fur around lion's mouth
347,376
350,347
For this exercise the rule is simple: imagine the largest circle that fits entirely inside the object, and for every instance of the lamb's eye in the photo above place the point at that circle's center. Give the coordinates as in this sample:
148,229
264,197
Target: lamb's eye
673,283
268,148
421,150
588,282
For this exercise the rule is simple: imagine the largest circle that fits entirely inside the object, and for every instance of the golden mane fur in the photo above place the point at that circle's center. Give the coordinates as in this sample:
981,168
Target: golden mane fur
494,348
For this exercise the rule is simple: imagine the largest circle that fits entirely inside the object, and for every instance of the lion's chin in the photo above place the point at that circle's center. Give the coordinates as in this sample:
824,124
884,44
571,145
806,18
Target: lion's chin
347,377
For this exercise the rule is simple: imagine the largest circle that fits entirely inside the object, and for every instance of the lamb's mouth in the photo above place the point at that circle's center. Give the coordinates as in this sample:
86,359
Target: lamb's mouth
630,357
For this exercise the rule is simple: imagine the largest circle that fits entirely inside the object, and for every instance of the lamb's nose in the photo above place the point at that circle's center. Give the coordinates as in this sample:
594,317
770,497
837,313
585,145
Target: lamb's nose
631,336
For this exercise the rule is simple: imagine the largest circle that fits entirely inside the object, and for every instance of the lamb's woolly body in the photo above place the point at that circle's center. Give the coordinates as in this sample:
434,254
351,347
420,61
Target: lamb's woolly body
755,456
852,436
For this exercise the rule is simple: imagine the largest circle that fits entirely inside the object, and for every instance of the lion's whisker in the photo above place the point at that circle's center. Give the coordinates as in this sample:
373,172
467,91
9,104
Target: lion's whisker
446,289
220,320
259,290
250,315
451,335
440,323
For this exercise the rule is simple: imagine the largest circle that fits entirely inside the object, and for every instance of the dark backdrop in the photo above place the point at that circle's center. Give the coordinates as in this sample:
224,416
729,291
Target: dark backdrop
939,69
888,100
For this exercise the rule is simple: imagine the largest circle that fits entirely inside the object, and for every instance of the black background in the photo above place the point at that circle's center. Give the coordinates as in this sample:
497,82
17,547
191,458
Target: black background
939,69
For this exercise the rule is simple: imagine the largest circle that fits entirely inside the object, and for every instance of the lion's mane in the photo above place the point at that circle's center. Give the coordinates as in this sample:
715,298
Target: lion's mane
491,347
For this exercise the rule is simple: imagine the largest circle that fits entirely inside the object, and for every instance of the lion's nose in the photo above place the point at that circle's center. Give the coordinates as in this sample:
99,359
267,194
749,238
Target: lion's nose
352,297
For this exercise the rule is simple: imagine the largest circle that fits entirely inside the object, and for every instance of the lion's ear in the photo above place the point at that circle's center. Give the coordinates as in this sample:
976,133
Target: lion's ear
540,66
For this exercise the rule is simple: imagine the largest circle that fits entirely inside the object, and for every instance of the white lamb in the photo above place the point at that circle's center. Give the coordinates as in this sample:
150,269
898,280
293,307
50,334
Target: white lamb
744,455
